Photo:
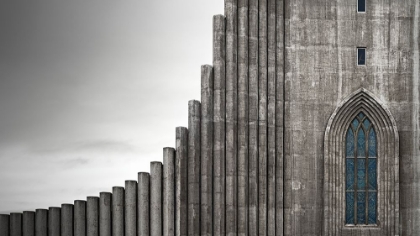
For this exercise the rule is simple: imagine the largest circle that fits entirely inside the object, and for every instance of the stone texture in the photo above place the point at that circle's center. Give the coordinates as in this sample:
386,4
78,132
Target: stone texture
181,181
16,224
4,224
28,223
156,199
143,205
168,191
130,208
66,220
92,216
79,218
118,211
54,219
105,200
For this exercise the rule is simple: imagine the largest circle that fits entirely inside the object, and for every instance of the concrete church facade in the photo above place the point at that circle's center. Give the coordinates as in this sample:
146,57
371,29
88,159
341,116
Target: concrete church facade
308,125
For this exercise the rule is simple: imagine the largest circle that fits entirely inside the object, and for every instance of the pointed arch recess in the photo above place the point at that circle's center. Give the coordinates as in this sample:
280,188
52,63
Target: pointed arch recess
388,166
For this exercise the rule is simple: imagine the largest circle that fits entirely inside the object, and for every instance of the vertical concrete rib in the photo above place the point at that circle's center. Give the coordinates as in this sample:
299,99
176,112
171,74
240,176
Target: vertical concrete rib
66,219
181,180
242,117
194,113
105,223
92,216
219,113
231,12
16,224
253,119
28,223
54,219
168,191
117,211
206,150
143,204
4,224
271,117
279,114
79,218
262,118
41,222
156,198
130,208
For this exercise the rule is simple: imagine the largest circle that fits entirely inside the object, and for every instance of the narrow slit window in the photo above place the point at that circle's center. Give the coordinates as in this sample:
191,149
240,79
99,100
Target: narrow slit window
361,5
361,56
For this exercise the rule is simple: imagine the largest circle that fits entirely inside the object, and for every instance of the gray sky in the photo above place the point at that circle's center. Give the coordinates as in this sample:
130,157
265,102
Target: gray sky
92,90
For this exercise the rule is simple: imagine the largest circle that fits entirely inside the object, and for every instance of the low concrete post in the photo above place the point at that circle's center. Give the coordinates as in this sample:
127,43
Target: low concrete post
41,222
28,223
143,203
117,211
156,198
168,191
15,224
130,207
92,216
79,218
66,219
4,224
105,214
54,219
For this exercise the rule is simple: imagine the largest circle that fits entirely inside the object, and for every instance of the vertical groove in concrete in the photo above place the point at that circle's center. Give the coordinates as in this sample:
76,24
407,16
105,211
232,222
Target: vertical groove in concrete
66,219
279,114
181,180
242,117
262,118
16,224
231,13
219,113
194,113
79,218
156,199
105,200
41,222
92,216
168,191
28,223
253,119
143,205
4,224
117,211
206,150
271,118
54,219
130,208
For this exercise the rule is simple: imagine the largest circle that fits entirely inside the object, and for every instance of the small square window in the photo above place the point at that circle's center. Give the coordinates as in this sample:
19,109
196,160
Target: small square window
361,56
361,5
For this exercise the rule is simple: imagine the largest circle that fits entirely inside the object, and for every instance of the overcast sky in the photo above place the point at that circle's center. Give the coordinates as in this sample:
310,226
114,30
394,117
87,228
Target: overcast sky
92,90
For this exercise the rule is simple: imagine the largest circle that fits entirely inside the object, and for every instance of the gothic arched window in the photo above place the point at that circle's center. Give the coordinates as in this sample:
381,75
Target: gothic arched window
361,172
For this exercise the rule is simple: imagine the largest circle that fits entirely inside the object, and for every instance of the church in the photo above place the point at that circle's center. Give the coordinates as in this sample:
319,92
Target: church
308,125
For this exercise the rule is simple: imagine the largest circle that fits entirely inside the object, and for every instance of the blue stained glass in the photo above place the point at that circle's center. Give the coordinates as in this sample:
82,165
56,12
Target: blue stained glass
361,144
350,208
361,207
361,174
372,184
350,173
366,124
355,123
372,143
372,208
350,143
361,115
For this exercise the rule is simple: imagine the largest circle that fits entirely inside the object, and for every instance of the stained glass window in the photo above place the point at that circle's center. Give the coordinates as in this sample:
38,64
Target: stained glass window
361,172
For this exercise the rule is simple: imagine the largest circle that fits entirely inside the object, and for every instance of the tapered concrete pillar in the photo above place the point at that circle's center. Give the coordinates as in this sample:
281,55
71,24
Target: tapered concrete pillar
80,218
168,191
4,224
181,180
194,113
206,150
15,224
28,223
156,176
92,216
253,119
41,222
54,220
105,223
117,211
130,203
219,113
143,203
66,219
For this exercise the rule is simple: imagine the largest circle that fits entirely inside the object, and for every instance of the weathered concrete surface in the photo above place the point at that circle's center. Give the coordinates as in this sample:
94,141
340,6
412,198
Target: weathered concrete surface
105,200
41,222
168,191
28,223
66,220
92,216
79,218
16,224
156,199
130,208
4,224
54,219
181,181
143,211
118,211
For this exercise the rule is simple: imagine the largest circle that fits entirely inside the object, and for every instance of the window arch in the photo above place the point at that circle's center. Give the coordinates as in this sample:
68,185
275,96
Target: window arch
361,172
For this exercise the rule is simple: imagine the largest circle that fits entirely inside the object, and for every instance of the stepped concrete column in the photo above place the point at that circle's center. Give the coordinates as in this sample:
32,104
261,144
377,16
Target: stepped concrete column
156,199
41,222
92,216
105,200
79,218
15,224
168,191
54,221
66,219
4,224
28,223
130,210
181,181
143,203
117,211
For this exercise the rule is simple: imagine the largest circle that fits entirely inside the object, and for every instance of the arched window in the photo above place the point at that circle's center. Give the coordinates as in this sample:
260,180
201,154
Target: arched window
361,172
